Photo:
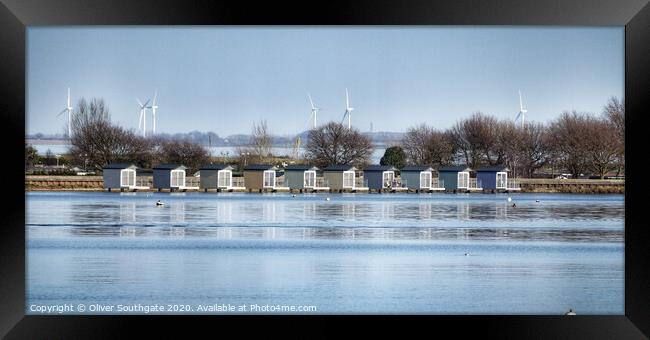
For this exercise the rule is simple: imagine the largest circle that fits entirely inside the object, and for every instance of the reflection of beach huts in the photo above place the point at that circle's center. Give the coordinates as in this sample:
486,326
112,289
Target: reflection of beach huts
420,178
457,178
216,176
303,177
170,176
121,176
340,177
494,178
380,177
260,177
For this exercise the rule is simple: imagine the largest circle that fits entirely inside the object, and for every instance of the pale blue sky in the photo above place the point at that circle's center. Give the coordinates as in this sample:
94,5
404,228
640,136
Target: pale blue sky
222,79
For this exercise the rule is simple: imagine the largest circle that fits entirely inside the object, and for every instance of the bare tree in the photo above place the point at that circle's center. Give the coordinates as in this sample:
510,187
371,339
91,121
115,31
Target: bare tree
614,113
31,156
333,143
424,145
476,138
603,147
261,142
570,137
191,154
530,147
96,142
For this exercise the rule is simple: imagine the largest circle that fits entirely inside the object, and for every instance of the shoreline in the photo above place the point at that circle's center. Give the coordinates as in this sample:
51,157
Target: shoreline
95,184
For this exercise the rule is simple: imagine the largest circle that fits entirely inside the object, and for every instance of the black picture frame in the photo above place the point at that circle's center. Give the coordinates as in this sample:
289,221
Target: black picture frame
16,15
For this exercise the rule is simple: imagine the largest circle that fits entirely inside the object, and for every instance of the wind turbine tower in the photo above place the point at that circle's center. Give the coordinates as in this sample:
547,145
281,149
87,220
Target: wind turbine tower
348,110
153,108
69,109
522,112
143,116
314,109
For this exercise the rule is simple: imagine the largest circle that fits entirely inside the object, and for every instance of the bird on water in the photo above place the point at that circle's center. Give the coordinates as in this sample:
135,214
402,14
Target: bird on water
570,312
159,203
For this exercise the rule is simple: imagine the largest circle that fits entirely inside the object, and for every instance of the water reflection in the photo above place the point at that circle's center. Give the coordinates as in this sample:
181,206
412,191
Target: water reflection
127,212
360,233
310,216
177,212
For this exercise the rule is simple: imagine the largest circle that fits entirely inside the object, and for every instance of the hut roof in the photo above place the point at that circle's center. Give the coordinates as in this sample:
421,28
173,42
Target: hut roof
300,167
169,166
260,167
379,168
216,167
417,168
120,166
339,167
455,168
494,168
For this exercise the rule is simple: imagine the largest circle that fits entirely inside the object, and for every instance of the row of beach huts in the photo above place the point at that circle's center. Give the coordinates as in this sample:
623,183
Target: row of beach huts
307,178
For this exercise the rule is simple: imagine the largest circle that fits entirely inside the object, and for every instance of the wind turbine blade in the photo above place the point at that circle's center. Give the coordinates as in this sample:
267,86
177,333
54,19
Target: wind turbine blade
521,104
62,112
139,102
343,119
140,123
68,97
155,94
347,98
518,116
311,101
148,100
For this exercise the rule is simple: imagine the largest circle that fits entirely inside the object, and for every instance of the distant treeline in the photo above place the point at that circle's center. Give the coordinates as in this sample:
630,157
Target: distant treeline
213,139
575,142
579,143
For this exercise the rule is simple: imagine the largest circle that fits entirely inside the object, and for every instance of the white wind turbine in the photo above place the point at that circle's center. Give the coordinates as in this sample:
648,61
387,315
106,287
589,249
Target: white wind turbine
522,112
143,117
153,108
348,109
69,109
314,109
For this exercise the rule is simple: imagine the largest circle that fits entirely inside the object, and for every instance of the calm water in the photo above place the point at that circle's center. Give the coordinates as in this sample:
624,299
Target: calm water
364,253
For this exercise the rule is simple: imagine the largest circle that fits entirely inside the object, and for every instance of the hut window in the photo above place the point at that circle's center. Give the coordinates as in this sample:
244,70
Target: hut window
348,179
463,180
127,178
425,179
178,178
387,178
224,178
310,179
269,178
502,180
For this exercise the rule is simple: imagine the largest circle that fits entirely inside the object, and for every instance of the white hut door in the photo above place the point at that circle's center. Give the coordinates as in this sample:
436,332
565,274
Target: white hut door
348,179
127,178
225,178
269,178
387,178
178,178
310,179
425,179
463,180
502,180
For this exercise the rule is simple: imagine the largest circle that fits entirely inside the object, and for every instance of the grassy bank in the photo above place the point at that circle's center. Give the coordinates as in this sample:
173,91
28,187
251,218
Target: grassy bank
582,186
